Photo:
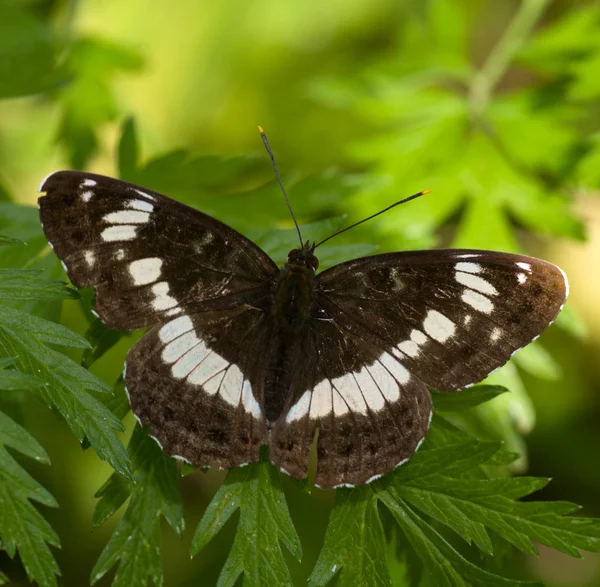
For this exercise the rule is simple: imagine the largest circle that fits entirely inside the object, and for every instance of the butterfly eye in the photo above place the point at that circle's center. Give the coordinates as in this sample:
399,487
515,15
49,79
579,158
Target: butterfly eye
313,263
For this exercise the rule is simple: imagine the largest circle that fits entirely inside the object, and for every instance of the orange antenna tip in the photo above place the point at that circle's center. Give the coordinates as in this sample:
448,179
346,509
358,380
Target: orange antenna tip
260,130
423,192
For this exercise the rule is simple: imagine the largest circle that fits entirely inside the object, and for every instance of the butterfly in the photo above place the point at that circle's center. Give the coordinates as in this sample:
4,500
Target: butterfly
242,353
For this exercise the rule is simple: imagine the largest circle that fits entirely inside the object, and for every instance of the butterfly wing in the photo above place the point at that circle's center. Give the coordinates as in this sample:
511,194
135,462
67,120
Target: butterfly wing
450,316
387,326
371,413
148,257
202,286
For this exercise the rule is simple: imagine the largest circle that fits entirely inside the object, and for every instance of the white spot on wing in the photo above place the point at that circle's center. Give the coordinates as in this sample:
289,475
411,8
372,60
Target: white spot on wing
495,334
145,271
89,182
231,387
186,364
477,301
468,267
386,384
248,402
212,365
399,372
119,233
90,258
339,405
140,205
347,387
373,397
179,346
87,195
162,301
525,266
119,254
300,408
476,282
321,403
127,217
438,326
522,277
144,194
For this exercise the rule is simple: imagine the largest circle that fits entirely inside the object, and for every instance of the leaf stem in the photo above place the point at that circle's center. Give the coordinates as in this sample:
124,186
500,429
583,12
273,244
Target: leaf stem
492,71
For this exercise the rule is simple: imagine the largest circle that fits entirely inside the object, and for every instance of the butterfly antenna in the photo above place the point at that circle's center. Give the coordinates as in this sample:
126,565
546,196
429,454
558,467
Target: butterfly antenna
287,201
413,197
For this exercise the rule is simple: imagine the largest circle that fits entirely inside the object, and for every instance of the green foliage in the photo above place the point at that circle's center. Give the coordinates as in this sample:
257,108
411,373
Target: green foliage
22,528
29,52
445,487
264,523
501,156
135,544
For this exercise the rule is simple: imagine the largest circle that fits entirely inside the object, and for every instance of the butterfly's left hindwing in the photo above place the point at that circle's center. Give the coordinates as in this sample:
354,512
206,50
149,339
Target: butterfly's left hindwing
148,257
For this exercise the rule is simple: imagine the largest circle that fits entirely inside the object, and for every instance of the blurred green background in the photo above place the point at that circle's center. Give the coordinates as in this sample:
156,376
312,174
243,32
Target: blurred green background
493,105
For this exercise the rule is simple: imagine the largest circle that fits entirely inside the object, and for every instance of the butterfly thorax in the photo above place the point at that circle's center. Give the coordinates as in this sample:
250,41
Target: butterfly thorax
292,305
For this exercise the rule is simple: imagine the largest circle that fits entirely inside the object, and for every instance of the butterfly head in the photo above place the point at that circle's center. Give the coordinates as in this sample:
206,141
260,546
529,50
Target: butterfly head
304,257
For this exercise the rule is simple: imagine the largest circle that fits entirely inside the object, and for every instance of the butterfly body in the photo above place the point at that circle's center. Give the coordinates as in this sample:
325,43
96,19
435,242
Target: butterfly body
241,353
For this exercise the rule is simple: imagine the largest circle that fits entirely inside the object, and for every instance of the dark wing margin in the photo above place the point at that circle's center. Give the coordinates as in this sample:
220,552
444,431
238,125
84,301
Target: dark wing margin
450,316
148,257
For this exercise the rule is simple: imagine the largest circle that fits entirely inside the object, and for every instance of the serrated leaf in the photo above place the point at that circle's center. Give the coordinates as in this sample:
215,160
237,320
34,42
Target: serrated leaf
354,542
466,398
11,379
441,560
23,284
15,436
22,528
264,522
135,544
450,460
67,385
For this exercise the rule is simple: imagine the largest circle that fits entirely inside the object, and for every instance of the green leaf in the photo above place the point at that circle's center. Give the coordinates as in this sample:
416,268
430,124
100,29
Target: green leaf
447,567
354,542
88,101
67,385
22,528
29,52
465,399
264,522
15,436
135,544
22,284
12,380
128,150
6,241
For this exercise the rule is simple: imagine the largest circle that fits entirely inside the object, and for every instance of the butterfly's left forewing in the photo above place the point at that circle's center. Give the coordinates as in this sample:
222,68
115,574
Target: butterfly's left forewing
149,258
